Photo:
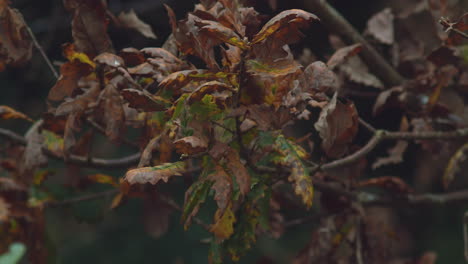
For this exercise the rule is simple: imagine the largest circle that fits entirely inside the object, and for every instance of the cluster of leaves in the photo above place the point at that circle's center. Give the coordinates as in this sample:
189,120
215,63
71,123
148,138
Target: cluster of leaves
229,125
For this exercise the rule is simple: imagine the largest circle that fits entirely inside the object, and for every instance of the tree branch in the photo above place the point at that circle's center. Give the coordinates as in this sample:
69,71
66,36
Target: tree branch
75,159
338,24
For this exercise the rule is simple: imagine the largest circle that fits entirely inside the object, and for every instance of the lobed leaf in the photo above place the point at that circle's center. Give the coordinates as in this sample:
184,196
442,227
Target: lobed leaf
132,21
291,156
190,145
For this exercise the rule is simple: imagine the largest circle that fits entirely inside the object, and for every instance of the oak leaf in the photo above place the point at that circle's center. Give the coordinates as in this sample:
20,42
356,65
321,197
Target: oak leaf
154,174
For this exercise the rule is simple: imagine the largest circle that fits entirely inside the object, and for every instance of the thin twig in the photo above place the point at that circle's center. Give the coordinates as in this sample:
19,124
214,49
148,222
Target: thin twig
41,50
338,24
75,159
359,258
87,197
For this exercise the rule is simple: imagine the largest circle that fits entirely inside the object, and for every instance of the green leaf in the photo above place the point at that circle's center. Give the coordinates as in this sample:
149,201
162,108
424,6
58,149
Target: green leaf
291,156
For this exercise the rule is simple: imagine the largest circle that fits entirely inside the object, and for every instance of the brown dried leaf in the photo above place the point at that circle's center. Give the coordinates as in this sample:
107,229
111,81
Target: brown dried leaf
238,170
109,59
7,112
179,79
380,26
81,102
70,74
343,54
143,100
289,20
222,186
357,71
337,126
15,42
190,145
89,26
132,57
113,114
320,78
132,21
154,174
207,88
223,34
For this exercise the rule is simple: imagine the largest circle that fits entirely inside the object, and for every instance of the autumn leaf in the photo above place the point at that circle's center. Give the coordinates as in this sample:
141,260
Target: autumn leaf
103,179
132,21
109,59
190,145
342,54
179,79
337,126
287,20
222,33
292,156
89,26
144,101
208,88
7,112
223,226
392,184
15,42
70,74
236,168
319,77
222,185
154,174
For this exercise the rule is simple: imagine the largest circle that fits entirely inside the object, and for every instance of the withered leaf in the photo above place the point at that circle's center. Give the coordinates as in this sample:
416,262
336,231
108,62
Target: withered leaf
342,54
70,74
103,179
289,20
207,88
15,42
222,185
143,100
109,59
194,197
81,102
113,116
223,226
356,70
7,112
292,156
337,126
238,170
190,145
320,78
222,33
380,26
33,156
179,79
132,21
132,57
162,54
89,26
154,174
